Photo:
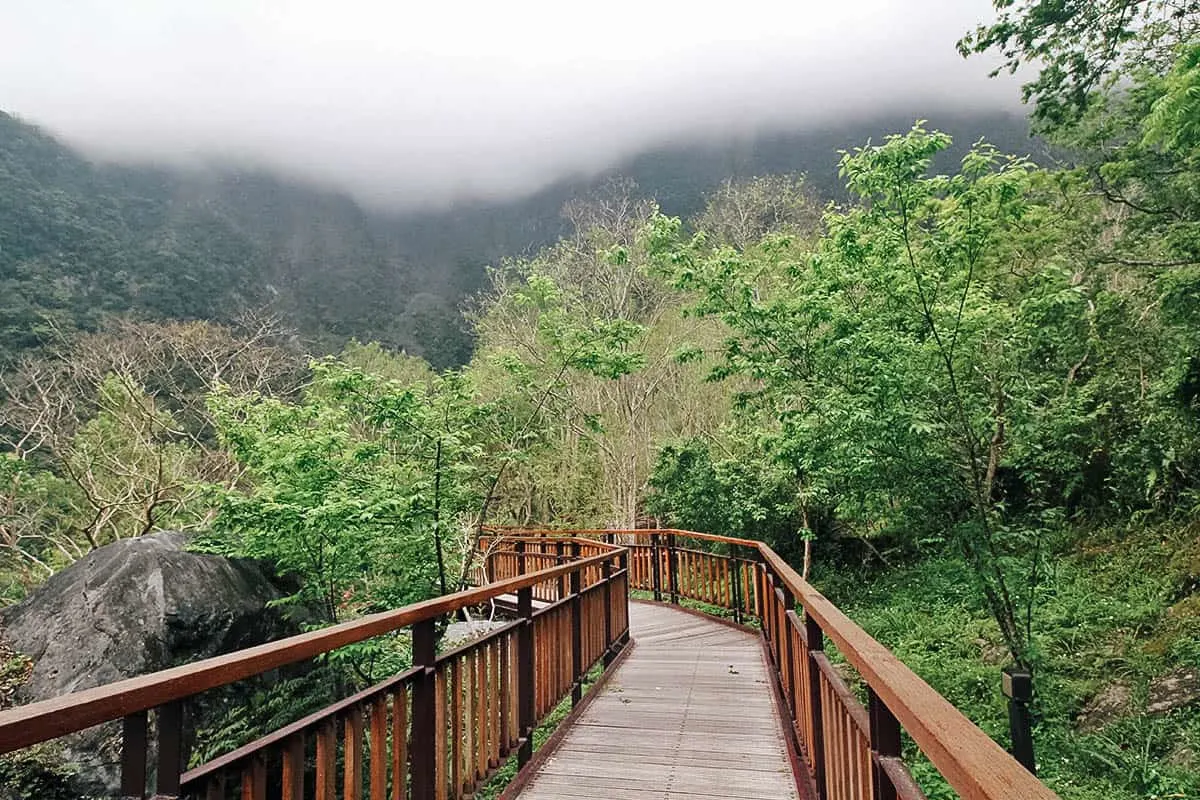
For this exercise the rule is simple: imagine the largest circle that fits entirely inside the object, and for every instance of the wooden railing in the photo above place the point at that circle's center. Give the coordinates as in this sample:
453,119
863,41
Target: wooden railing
433,732
852,751
436,731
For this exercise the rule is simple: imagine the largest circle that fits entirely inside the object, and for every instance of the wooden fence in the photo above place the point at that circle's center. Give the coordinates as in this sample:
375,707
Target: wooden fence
433,732
852,750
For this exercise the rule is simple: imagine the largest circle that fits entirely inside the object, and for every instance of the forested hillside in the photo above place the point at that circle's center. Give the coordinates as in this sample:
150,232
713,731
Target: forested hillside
81,240
960,389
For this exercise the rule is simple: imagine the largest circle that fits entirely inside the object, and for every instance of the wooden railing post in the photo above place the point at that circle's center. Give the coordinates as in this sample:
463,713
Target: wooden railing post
519,548
787,666
423,750
815,639
558,561
672,568
768,614
133,755
735,566
526,713
655,568
885,743
606,579
576,629
170,748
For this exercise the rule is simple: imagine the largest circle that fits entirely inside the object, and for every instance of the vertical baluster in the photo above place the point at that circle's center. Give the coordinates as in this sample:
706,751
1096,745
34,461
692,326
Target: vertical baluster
726,591
559,560
606,579
484,709
514,702
760,579
576,615
352,749
424,714
851,745
326,761
214,787
378,749
564,652
672,568
769,614
885,742
504,660
457,734
525,674
471,700
442,736
623,608
254,778
709,594
784,599
815,640
655,568
400,744
293,770
537,684
551,672
133,755
497,699
170,748
838,749
736,585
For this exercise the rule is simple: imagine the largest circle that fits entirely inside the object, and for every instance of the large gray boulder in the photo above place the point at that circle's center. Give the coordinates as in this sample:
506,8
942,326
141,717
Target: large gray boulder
130,608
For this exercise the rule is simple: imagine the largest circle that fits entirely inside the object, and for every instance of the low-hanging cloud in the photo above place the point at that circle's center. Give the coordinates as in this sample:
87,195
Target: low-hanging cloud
414,104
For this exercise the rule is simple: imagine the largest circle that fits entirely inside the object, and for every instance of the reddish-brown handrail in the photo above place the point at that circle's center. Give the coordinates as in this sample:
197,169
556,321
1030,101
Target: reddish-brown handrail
851,751
974,765
568,533
48,719
970,760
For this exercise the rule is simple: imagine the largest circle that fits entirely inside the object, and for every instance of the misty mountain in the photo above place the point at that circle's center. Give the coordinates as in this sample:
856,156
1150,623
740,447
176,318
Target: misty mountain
79,240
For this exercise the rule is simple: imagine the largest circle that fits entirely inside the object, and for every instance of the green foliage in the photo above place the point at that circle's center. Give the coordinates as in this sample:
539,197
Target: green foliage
939,366
1081,47
1106,616
264,709
586,338
1174,119
742,494
37,771
342,483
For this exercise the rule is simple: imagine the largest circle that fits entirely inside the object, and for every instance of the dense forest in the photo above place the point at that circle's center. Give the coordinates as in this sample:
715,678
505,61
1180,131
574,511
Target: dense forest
960,388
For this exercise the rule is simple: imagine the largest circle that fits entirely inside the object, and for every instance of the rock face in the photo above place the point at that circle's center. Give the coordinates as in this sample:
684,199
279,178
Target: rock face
1114,700
130,608
1176,689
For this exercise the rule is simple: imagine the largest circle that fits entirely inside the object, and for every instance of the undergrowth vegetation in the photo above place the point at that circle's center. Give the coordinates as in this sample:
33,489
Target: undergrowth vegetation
1121,608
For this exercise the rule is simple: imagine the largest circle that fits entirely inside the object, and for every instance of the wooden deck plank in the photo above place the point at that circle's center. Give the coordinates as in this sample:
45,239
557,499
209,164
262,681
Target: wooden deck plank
688,716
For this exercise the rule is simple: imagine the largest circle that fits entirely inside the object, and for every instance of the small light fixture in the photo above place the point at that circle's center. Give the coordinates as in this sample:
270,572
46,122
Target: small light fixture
1017,685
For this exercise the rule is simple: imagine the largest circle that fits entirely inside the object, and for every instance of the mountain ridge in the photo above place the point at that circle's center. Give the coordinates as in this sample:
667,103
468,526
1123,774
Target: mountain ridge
80,239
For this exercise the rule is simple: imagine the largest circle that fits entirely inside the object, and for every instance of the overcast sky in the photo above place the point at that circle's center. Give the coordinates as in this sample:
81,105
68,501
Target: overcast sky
409,103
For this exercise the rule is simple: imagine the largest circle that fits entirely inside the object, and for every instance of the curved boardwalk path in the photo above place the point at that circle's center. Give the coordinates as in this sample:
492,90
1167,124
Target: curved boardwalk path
689,714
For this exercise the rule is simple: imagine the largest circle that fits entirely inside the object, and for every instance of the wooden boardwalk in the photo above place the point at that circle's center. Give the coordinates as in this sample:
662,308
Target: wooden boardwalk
689,714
